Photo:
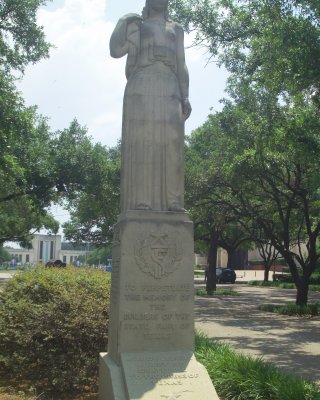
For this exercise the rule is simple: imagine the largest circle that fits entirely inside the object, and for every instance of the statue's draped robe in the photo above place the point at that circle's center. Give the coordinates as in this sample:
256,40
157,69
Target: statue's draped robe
152,175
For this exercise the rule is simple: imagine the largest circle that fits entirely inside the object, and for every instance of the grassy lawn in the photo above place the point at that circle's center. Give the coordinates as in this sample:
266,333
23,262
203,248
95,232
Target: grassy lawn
239,377
282,285
218,292
311,310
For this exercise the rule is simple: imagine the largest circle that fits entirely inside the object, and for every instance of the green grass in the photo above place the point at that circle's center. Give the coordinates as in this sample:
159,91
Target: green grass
282,285
199,274
218,292
292,309
239,377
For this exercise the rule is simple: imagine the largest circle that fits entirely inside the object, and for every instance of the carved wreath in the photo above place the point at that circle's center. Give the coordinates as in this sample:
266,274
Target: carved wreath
158,254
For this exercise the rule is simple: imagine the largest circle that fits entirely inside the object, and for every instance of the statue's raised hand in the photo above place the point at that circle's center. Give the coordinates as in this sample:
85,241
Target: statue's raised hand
186,108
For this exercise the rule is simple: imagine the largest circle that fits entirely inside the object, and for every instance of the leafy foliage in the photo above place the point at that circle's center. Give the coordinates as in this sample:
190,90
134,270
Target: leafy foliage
4,255
53,324
239,377
36,166
264,144
100,255
269,43
22,41
94,211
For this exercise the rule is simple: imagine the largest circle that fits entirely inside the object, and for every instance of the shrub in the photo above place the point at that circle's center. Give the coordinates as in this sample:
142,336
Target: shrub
239,377
315,278
53,324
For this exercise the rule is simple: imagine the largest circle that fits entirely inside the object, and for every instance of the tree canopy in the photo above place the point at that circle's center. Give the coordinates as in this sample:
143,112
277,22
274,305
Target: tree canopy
37,166
22,40
95,209
263,146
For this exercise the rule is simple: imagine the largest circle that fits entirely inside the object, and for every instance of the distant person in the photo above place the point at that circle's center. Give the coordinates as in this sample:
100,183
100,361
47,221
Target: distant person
206,274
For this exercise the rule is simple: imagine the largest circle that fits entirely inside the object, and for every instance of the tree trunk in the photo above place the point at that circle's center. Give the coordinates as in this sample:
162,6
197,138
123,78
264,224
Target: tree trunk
266,272
302,291
237,258
301,282
212,262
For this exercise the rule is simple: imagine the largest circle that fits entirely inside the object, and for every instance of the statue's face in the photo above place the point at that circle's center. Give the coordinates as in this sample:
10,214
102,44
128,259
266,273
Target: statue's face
158,5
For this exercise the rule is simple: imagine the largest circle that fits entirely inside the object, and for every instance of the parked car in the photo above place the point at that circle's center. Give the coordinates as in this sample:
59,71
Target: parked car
226,275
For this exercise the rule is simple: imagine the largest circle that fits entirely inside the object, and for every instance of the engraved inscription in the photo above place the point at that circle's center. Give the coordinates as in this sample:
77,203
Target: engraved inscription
158,254
169,373
115,280
116,236
157,312
176,395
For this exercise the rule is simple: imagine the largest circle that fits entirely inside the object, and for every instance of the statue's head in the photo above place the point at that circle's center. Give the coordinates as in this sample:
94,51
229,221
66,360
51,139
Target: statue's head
157,5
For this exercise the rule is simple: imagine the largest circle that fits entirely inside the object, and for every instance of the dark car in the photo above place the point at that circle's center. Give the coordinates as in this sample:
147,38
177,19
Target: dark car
226,275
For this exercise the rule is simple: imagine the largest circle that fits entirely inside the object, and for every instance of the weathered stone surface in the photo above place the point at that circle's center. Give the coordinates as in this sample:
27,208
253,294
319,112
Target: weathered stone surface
151,328
155,107
156,376
152,283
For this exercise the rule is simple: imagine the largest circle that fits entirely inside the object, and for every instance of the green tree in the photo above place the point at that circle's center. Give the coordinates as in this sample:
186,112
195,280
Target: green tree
214,222
22,41
4,255
270,43
271,124
99,256
37,167
271,153
95,209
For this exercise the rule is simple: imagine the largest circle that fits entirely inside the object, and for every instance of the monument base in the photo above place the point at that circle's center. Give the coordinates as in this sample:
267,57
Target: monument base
154,376
151,322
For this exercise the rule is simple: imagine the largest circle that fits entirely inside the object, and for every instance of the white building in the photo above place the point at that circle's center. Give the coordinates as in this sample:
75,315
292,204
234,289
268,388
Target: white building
48,248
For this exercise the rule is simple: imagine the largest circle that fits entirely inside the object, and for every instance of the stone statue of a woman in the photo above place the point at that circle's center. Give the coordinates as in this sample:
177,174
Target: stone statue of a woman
155,108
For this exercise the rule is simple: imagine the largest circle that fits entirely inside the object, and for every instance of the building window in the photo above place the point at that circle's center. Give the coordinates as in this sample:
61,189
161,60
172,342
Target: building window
41,250
51,250
71,259
20,258
64,259
27,258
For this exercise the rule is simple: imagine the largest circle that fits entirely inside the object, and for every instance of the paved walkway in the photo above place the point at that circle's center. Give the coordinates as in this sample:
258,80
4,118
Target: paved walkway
4,276
292,343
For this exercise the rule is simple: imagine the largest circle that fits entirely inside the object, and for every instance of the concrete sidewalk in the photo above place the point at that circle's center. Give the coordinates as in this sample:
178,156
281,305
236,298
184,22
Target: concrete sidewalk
4,276
291,343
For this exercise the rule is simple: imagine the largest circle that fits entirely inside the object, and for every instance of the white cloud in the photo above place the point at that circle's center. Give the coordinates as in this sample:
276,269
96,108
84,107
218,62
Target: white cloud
81,80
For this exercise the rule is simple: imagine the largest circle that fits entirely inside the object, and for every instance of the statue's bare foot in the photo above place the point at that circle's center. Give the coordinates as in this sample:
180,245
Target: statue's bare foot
144,207
176,208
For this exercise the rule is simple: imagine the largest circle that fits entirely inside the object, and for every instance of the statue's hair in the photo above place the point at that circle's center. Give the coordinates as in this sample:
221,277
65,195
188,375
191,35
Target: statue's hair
145,12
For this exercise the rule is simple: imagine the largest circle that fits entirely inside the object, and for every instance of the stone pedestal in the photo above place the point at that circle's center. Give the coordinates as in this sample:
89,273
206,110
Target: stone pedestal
151,326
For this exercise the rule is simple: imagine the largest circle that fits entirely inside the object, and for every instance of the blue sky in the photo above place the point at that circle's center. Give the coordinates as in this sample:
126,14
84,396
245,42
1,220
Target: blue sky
80,80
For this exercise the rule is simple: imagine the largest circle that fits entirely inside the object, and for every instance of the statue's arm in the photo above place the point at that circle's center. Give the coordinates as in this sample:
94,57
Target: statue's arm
119,45
183,74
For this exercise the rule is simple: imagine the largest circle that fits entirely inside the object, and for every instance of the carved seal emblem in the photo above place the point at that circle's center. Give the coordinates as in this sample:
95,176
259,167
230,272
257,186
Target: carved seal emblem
158,254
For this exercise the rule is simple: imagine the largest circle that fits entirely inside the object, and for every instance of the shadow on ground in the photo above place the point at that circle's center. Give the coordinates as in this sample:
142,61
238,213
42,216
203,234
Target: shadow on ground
291,343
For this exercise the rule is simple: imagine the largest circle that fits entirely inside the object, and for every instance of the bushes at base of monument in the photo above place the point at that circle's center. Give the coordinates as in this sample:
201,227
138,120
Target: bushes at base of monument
238,377
53,324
